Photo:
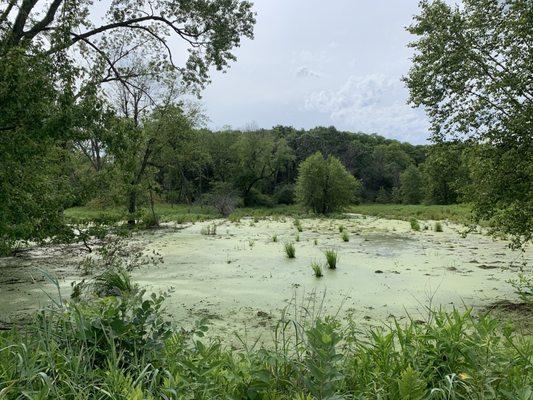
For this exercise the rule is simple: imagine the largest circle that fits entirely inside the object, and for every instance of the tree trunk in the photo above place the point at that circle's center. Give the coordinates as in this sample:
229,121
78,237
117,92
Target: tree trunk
132,208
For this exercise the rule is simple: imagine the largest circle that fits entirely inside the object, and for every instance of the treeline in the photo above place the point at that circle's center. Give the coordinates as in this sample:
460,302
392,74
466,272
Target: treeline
173,162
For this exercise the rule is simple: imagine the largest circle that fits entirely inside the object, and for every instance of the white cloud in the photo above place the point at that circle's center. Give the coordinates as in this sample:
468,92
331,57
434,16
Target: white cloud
304,72
371,103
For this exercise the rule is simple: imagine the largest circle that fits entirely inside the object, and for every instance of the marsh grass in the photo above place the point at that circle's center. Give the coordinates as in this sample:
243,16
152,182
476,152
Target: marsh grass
317,269
415,225
331,258
298,225
341,228
297,238
290,250
438,227
315,242
274,238
345,236
209,230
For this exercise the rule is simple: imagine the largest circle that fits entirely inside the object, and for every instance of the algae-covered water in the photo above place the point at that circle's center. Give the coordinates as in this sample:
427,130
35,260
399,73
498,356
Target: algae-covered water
240,279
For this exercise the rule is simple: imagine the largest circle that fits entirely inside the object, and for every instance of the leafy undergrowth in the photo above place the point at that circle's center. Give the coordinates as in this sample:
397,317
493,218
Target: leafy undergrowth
112,342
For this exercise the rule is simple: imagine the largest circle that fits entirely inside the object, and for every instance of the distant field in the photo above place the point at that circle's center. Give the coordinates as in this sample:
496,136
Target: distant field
183,213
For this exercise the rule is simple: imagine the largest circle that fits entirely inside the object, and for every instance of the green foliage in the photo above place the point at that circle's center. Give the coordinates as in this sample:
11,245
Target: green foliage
290,250
468,72
415,225
274,238
317,269
324,185
331,258
438,226
411,186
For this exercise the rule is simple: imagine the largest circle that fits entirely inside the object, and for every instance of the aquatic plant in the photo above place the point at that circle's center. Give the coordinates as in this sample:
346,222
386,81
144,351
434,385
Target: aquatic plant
345,236
415,225
297,238
331,258
438,226
274,238
341,228
290,250
209,230
298,225
315,242
317,269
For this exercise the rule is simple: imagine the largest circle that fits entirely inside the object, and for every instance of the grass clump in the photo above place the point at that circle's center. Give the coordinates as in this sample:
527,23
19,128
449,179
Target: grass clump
415,225
317,269
298,225
345,236
341,228
331,258
315,242
209,230
297,238
274,238
438,226
290,250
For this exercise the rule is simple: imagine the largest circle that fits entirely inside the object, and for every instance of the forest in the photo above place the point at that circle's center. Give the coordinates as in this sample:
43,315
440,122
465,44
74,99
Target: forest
146,255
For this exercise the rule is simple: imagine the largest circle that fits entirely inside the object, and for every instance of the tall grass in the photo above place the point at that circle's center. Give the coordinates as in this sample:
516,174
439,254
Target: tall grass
331,258
290,250
345,236
438,226
317,269
209,230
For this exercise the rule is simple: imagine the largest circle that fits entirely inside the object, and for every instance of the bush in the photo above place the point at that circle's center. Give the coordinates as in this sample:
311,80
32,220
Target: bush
284,194
222,197
324,185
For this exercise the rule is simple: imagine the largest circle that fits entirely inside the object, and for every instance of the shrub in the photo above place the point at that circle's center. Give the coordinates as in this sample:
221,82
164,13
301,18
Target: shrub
438,227
317,269
345,236
284,194
223,197
331,258
324,185
415,225
290,250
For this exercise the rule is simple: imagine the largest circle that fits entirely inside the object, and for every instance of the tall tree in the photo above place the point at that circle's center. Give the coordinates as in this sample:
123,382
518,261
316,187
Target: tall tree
472,71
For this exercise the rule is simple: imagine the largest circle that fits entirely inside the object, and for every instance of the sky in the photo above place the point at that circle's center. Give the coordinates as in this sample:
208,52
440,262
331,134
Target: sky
322,63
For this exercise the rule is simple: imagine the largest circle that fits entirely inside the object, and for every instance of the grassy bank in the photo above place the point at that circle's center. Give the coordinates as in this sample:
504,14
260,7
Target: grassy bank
112,342
183,213
455,212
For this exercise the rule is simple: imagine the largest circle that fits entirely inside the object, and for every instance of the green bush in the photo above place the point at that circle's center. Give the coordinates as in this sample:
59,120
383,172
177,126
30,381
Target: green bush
324,185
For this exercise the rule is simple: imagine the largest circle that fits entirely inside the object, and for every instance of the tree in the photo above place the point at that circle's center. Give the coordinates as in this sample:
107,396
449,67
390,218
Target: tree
472,72
324,185
260,156
411,186
53,56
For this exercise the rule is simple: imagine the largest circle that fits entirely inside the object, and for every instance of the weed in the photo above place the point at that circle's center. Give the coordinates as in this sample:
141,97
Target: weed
345,236
298,225
438,226
331,258
290,250
297,238
341,228
315,242
274,238
317,269
209,230
415,225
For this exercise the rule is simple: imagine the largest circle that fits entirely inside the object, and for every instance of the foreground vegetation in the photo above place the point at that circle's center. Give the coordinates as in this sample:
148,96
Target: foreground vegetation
111,341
